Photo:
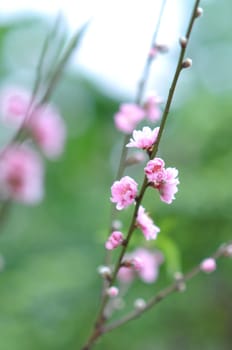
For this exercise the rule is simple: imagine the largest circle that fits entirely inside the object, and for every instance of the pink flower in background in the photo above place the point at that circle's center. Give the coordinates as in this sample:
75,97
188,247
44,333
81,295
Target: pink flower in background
168,188
44,123
155,170
150,267
146,224
152,108
124,192
126,274
144,138
137,263
115,239
21,175
14,103
48,130
128,117
149,262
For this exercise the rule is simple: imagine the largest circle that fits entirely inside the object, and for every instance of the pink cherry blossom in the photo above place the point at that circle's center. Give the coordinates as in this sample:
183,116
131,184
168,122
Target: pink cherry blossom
208,265
115,239
14,103
152,108
124,192
48,130
146,224
144,138
128,117
149,262
155,170
21,175
164,180
168,188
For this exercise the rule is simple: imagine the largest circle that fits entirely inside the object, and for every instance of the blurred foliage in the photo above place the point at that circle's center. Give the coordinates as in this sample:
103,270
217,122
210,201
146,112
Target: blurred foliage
49,287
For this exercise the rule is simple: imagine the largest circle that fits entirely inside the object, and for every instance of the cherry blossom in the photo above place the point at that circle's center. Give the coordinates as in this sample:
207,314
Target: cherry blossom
124,192
128,117
146,224
168,188
165,180
155,170
144,139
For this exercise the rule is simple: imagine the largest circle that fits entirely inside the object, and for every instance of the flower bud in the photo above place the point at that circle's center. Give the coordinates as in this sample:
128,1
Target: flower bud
112,291
183,42
199,12
208,265
139,304
187,63
104,271
116,225
115,240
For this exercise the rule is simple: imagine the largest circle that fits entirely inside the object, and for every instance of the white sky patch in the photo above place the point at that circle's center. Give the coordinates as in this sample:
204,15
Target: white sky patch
117,41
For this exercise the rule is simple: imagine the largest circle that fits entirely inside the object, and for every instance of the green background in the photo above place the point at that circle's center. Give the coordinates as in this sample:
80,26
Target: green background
49,288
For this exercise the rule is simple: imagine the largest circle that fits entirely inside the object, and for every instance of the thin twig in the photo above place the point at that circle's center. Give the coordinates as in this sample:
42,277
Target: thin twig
41,62
174,287
150,58
179,68
61,64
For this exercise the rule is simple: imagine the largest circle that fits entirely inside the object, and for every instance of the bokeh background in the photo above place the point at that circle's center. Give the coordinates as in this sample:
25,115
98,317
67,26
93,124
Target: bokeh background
49,287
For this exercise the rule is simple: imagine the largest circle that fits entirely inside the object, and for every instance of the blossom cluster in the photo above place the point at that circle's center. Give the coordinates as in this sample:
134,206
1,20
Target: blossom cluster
124,191
165,180
21,166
